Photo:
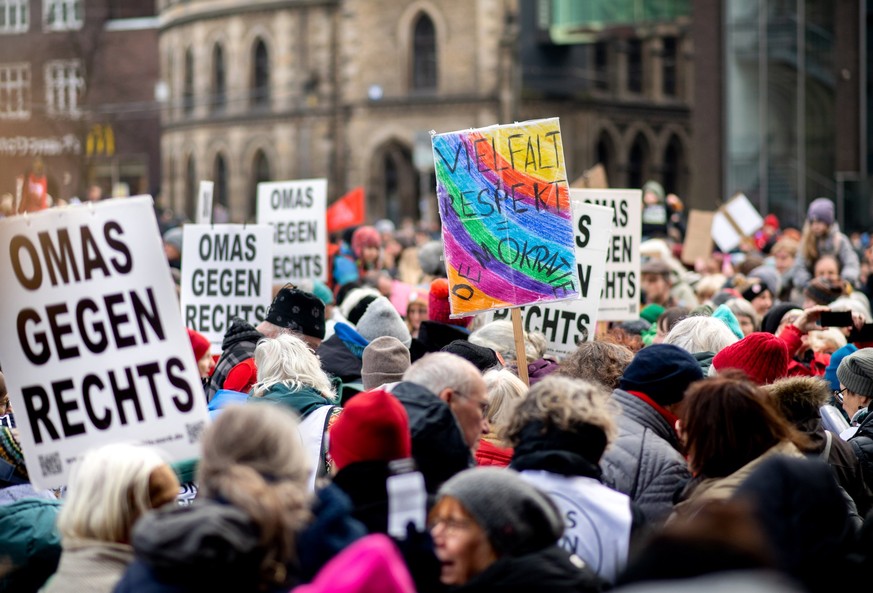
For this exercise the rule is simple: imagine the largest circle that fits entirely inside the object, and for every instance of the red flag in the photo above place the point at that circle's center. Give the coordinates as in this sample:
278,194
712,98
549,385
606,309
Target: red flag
346,212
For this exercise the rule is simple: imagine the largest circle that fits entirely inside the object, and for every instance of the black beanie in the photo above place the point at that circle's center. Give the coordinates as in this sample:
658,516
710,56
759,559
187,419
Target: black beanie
483,358
661,371
774,316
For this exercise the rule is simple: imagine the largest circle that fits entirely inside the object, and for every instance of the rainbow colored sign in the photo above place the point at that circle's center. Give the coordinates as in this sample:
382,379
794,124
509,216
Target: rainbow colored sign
507,221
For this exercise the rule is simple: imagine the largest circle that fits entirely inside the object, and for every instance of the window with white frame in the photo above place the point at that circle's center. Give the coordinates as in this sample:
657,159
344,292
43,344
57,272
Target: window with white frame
14,16
64,86
62,15
15,91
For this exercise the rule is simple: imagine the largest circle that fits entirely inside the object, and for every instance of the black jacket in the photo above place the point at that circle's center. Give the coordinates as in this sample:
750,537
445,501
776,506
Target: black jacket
438,445
238,345
338,361
547,571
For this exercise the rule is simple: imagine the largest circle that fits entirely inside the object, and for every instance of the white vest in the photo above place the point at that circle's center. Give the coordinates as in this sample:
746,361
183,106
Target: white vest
597,519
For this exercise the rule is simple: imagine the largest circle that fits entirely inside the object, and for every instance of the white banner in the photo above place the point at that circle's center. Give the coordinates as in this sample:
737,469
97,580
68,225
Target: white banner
226,273
297,212
567,323
204,203
620,300
94,349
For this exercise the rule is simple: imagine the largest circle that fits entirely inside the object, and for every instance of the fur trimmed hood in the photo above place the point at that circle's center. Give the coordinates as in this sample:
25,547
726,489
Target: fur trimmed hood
799,398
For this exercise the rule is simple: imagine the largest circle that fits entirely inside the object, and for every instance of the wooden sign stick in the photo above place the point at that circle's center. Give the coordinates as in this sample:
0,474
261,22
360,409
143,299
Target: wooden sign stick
520,354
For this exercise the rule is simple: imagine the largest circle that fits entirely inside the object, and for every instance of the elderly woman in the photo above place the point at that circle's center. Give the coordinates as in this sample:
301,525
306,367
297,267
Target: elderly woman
505,390
598,361
492,531
703,337
241,533
560,430
110,489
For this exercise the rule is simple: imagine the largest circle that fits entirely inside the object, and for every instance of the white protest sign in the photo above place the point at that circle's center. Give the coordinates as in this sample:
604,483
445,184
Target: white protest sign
567,323
227,272
204,203
297,212
94,349
620,300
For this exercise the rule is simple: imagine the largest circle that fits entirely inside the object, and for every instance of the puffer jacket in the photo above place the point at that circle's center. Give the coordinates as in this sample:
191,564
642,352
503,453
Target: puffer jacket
238,345
644,460
30,543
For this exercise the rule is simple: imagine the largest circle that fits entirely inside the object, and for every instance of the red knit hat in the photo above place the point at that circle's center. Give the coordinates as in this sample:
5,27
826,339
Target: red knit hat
242,376
438,308
365,236
373,426
199,343
761,355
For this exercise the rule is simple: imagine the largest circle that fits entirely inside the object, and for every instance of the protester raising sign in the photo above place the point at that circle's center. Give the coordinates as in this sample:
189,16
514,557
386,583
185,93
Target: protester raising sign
95,349
296,210
507,228
226,273
620,300
567,323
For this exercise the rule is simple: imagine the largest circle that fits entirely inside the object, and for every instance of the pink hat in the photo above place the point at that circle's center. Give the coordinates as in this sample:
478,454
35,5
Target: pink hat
370,565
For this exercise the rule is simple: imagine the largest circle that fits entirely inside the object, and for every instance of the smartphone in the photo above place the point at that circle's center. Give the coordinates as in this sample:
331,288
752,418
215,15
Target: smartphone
836,319
865,334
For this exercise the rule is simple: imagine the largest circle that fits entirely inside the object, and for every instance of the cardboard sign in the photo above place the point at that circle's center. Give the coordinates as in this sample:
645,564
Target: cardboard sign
297,212
698,237
226,272
735,221
567,323
506,218
204,203
620,300
593,178
94,350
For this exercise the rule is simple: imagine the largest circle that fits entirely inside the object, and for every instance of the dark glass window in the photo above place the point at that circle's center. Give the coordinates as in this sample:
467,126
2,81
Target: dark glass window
188,91
670,62
219,79
219,177
424,55
635,66
260,75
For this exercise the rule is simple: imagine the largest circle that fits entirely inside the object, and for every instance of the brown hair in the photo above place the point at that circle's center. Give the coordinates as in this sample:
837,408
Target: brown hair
603,362
616,335
728,422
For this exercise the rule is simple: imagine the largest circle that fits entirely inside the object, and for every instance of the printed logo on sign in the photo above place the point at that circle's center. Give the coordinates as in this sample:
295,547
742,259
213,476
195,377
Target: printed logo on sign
194,431
50,465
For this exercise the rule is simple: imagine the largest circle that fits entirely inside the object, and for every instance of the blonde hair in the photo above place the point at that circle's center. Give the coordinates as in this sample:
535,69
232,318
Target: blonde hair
827,340
287,360
108,492
253,459
708,286
786,244
505,390
564,403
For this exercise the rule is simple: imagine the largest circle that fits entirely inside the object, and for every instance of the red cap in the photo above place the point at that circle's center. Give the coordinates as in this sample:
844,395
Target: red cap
199,343
373,426
761,355
438,308
242,376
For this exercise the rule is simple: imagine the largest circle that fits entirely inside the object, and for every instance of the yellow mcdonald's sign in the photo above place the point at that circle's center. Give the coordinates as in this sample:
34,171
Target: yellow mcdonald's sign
100,141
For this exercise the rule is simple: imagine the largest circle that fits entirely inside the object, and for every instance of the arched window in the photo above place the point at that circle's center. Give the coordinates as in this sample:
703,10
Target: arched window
260,174
424,55
219,79
638,163
191,187
219,176
188,90
260,92
605,154
674,165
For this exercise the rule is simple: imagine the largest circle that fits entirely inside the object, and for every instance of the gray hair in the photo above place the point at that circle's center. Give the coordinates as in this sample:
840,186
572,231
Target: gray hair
701,334
440,370
743,307
288,360
505,390
500,337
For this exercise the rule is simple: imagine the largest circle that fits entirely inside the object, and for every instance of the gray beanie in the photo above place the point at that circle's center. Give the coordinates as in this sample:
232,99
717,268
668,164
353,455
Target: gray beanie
856,372
384,361
173,237
517,518
382,319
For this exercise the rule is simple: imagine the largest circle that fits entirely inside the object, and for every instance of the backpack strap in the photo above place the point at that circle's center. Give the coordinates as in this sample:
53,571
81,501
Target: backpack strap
827,450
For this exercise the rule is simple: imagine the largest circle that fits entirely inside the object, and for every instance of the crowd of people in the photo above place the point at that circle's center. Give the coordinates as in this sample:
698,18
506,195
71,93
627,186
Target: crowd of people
363,439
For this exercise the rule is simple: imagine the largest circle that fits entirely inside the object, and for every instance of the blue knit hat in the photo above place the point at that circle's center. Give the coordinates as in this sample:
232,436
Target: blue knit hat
661,371
836,358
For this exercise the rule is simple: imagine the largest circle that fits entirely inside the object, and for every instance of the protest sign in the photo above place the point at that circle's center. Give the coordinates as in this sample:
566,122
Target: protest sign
567,323
204,203
621,297
593,178
226,273
698,237
94,349
297,211
734,222
506,216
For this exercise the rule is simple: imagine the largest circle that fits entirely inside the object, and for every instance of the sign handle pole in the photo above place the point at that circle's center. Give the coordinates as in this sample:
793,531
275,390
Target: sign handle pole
520,354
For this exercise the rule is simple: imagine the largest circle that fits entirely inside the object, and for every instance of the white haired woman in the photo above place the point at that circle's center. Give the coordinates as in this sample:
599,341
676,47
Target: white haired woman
109,490
505,390
241,532
703,337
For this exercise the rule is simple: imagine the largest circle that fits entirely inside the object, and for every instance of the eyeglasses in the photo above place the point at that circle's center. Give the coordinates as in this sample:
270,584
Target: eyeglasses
838,394
449,524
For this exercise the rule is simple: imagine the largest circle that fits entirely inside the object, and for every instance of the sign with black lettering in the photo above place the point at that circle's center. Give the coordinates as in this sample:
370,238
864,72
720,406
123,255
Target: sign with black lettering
297,211
226,272
567,323
620,300
204,203
94,349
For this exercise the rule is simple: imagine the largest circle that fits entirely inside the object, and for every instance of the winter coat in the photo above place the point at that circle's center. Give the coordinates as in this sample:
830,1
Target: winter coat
238,345
340,354
364,483
644,460
834,243
30,541
438,445
90,567
490,454
550,570
708,490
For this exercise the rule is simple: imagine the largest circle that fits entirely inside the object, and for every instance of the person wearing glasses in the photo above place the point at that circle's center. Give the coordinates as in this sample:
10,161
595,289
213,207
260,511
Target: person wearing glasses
856,386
